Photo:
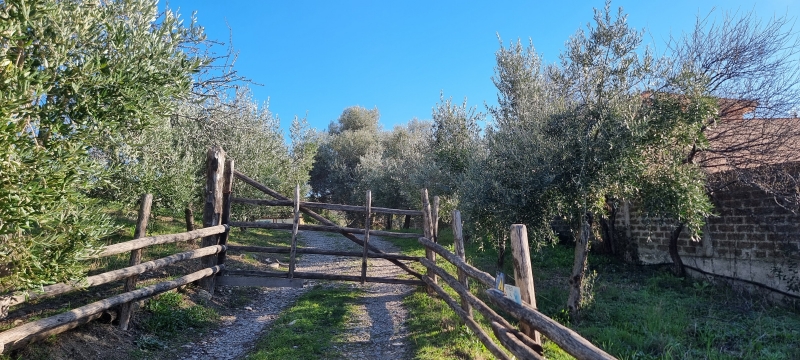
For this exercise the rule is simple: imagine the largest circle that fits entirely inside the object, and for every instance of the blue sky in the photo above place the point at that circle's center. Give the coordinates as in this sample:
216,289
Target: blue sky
319,57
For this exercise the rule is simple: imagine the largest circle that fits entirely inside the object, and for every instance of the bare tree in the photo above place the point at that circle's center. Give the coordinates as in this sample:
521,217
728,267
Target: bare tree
751,66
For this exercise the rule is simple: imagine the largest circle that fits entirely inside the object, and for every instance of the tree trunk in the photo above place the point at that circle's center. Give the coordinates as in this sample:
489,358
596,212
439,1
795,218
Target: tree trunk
407,222
605,232
677,264
189,217
579,269
501,251
607,226
389,221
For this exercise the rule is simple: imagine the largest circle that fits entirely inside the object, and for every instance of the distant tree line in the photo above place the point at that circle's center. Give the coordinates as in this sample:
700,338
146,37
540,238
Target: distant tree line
356,155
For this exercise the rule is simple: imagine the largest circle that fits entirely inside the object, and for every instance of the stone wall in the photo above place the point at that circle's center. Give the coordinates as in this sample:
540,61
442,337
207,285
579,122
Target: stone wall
752,238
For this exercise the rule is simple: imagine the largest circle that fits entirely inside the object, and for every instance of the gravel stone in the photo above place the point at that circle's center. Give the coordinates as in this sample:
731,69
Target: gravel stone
376,331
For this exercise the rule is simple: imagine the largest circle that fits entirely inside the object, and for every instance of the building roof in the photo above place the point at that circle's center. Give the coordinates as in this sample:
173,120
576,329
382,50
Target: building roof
738,143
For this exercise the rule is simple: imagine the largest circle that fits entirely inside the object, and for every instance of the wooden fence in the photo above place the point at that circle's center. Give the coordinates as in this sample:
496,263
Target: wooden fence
523,342
214,234
22,335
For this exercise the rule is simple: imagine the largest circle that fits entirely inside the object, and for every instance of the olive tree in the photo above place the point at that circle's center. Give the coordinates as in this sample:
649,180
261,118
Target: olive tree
455,142
334,176
168,159
508,180
397,172
76,78
571,137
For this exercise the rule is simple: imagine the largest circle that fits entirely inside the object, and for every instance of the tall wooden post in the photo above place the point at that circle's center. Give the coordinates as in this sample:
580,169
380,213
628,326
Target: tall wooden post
458,243
136,258
295,228
212,208
188,215
366,236
427,226
227,189
523,274
435,219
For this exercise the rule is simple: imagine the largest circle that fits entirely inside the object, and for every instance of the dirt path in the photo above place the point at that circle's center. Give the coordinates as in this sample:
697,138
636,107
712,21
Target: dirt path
376,332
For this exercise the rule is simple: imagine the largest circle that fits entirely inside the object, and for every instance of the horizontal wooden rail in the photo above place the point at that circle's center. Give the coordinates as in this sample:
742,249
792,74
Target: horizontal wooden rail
479,305
315,251
482,276
56,330
159,239
267,225
23,334
564,337
115,275
321,276
517,347
318,205
462,291
469,321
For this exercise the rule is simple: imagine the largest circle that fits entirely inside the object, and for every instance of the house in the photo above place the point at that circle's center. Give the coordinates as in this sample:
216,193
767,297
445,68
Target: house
754,238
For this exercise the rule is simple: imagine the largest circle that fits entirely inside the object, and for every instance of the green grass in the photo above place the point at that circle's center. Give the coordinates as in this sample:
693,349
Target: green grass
169,319
261,237
309,329
436,332
637,312
169,315
650,314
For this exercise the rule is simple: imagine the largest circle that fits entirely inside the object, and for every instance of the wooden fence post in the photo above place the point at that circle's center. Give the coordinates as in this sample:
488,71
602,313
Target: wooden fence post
227,189
523,275
428,231
366,236
295,229
188,215
435,219
136,258
212,209
458,243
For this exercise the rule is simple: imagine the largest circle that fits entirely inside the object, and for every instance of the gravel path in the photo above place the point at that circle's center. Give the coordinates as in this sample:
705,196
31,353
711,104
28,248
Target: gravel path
377,331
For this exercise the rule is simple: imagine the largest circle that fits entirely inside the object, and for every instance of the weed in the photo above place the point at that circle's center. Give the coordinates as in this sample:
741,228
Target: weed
169,315
239,297
150,342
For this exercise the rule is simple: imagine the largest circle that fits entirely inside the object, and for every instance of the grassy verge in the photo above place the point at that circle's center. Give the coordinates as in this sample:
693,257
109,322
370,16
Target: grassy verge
309,329
636,312
436,332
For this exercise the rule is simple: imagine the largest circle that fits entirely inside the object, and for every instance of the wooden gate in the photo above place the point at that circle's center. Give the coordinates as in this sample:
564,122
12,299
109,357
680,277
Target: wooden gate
217,210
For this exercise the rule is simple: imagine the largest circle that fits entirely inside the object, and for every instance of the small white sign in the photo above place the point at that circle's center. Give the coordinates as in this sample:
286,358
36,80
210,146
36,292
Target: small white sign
512,292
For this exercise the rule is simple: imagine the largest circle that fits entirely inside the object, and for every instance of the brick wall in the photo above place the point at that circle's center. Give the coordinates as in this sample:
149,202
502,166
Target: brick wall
750,237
